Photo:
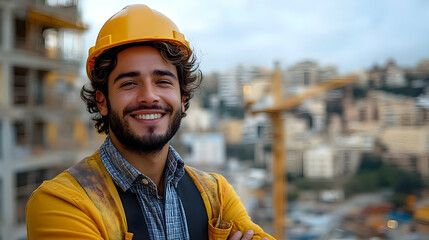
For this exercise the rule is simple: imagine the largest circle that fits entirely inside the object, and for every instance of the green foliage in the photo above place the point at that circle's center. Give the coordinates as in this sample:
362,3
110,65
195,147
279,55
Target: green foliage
386,176
242,152
367,181
406,91
292,177
370,161
306,184
293,195
400,181
359,93
407,182
372,176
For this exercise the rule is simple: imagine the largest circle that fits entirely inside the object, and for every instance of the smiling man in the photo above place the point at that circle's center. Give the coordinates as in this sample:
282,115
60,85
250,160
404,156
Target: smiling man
143,74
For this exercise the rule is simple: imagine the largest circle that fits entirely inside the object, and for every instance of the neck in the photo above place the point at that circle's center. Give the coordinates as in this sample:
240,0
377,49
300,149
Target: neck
151,164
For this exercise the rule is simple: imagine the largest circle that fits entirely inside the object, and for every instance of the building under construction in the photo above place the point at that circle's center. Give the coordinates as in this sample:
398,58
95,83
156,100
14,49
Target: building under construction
43,124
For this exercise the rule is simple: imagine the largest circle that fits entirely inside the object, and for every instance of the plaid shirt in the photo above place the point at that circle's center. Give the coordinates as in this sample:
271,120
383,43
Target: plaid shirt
164,215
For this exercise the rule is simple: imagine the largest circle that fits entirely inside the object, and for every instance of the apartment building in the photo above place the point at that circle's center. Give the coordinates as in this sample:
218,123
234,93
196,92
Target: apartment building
395,110
304,74
231,83
204,150
349,149
407,147
422,69
376,76
322,163
390,75
297,141
198,119
395,76
43,124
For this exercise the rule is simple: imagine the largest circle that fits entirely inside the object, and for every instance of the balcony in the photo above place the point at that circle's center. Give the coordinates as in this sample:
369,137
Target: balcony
49,34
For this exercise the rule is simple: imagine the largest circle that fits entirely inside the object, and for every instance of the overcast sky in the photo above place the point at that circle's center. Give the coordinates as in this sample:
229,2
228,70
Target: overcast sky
351,35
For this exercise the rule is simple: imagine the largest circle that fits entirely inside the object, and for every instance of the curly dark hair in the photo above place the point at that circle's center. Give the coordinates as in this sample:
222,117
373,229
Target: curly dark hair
189,75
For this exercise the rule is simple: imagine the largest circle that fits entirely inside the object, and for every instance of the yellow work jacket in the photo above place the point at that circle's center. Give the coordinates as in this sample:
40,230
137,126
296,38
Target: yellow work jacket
61,209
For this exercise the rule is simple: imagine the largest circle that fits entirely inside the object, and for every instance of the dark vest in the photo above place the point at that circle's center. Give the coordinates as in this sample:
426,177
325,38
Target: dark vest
196,215
92,180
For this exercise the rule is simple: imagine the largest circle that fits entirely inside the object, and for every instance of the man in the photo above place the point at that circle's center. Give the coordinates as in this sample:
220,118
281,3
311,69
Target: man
136,186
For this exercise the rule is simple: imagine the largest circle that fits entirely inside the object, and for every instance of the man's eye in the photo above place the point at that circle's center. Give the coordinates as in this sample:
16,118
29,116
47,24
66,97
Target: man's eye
164,82
125,84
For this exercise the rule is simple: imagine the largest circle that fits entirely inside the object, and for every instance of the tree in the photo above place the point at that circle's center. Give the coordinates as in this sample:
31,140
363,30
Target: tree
370,161
407,182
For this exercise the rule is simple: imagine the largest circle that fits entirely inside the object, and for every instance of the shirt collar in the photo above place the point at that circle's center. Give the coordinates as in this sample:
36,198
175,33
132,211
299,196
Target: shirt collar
124,174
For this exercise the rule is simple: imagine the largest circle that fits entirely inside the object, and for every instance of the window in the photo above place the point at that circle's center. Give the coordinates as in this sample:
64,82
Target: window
61,3
306,78
389,118
20,134
39,134
50,36
20,86
69,44
39,88
20,33
347,162
362,115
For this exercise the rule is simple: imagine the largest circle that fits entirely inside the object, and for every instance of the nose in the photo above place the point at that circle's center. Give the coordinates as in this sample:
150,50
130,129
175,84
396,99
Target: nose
147,94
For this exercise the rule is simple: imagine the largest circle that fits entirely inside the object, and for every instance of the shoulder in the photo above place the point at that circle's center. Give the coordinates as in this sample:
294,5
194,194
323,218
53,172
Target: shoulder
61,188
206,180
61,206
54,202
204,176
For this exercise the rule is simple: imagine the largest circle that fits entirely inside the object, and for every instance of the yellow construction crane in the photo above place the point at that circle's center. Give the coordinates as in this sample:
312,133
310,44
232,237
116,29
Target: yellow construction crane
278,142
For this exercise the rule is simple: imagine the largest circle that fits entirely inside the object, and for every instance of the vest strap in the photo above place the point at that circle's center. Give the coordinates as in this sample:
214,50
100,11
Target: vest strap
96,185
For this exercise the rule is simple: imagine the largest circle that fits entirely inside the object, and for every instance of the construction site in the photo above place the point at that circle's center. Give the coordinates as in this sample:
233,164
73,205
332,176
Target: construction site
43,126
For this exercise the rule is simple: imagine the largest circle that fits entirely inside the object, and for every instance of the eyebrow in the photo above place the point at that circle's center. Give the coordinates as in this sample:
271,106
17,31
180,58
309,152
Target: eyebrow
127,74
164,73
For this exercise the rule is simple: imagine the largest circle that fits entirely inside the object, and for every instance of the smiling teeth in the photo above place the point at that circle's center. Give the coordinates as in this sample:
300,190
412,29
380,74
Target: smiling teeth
148,116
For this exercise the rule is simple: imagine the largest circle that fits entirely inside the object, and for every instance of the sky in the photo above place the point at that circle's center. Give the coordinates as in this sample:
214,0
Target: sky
351,35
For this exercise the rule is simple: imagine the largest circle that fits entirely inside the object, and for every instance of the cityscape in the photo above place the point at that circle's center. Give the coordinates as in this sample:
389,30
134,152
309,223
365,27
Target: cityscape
356,157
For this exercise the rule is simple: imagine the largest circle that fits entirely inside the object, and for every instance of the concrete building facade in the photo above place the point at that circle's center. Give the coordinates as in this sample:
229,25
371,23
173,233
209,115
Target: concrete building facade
322,163
407,147
43,125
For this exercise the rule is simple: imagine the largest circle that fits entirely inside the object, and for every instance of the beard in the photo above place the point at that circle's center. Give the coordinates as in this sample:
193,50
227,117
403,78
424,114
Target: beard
150,143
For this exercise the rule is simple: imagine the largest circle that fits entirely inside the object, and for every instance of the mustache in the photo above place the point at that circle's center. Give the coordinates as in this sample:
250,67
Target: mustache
130,109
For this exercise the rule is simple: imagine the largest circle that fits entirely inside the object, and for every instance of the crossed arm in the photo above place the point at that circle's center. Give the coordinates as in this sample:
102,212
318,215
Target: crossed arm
60,209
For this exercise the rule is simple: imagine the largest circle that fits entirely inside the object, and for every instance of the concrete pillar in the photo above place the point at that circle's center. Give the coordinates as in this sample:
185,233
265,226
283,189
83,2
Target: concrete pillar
6,139
7,181
6,84
7,27
7,177
5,81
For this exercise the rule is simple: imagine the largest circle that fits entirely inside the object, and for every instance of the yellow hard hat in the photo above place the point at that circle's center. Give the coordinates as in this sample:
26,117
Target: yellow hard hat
134,23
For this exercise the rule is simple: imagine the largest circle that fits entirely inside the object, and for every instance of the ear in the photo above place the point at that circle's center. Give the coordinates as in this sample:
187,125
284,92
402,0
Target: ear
101,103
183,104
